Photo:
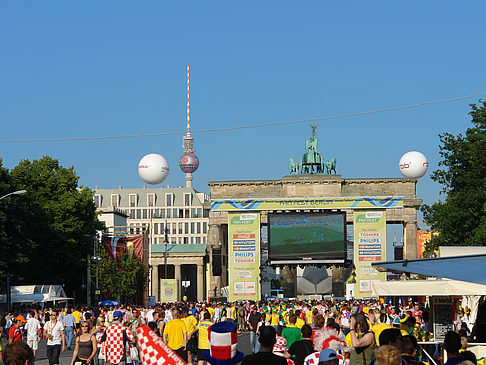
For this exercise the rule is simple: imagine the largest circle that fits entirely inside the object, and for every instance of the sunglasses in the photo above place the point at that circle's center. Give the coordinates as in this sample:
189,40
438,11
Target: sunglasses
84,325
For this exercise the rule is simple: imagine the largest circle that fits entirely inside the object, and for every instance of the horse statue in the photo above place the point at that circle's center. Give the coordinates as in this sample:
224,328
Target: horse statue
294,166
331,165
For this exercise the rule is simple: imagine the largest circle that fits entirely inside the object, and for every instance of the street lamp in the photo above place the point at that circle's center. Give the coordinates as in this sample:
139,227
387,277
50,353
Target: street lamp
18,192
8,291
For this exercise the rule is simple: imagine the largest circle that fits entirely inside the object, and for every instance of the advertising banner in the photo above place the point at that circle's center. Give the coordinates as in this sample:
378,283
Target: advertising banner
244,255
168,290
294,204
369,246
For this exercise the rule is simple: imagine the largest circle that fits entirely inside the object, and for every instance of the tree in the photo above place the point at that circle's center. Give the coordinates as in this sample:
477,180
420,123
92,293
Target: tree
126,277
47,235
460,219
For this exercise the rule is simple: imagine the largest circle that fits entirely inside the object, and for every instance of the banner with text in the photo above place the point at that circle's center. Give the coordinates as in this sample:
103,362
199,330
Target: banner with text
369,246
372,202
244,255
168,290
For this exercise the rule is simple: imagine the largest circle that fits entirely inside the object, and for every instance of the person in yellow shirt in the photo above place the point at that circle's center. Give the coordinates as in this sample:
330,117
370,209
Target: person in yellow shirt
191,322
175,335
309,316
77,316
274,318
203,345
378,328
210,310
300,322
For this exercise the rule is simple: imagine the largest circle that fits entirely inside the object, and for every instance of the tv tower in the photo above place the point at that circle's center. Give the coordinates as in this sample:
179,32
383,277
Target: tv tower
188,162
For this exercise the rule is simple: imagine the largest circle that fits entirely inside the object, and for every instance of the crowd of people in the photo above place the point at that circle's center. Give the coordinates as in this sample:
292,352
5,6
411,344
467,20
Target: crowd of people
281,332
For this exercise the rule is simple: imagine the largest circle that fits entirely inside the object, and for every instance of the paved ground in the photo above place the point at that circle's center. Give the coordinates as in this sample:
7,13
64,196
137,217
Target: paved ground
65,358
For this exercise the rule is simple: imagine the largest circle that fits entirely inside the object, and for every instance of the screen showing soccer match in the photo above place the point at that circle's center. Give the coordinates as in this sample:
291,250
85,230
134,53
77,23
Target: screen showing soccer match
306,237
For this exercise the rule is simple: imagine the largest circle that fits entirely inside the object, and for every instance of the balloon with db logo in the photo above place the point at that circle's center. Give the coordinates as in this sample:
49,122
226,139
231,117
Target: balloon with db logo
153,169
413,165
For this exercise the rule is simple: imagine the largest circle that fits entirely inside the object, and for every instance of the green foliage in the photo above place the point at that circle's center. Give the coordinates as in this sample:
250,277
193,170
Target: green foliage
460,219
125,278
46,235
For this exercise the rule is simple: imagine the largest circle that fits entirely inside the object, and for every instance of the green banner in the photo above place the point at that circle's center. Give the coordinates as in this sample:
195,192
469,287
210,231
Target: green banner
244,255
369,246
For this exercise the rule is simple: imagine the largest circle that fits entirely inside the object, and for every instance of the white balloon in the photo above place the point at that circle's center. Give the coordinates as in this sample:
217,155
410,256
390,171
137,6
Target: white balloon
153,169
413,165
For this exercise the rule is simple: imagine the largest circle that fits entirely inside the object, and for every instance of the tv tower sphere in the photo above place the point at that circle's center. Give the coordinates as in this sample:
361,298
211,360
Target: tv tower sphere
188,162
413,165
153,169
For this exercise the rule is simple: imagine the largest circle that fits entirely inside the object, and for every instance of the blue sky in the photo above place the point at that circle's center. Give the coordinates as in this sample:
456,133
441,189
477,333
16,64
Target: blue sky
119,68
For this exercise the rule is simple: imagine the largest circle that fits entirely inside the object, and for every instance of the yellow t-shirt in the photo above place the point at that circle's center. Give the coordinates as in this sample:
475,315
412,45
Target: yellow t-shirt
299,323
309,317
274,320
76,315
348,340
211,311
203,334
175,329
190,322
377,329
233,313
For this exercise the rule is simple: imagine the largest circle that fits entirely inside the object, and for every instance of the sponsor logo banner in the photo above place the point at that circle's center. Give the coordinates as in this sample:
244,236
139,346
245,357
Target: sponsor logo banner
369,246
244,255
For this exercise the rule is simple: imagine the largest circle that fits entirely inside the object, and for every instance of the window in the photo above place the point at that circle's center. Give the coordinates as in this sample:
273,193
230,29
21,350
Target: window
156,228
180,228
192,228
192,240
150,200
181,213
97,200
186,213
162,213
139,213
198,239
174,228
205,227
205,213
175,213
199,213
186,240
186,228
144,214
169,211
114,200
204,240
132,200
187,200
156,241
168,200
173,240
132,213
198,225
131,229
162,228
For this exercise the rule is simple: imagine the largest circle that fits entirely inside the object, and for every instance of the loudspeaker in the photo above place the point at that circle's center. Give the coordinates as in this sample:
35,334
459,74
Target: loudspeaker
217,264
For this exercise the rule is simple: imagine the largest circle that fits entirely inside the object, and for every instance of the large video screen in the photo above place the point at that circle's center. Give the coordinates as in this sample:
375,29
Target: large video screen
296,238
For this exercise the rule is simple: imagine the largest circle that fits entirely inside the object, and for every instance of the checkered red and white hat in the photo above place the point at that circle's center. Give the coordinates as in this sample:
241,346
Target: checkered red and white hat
280,345
154,351
223,343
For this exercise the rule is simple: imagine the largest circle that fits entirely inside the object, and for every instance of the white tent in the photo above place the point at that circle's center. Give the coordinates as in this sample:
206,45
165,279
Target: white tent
427,287
36,293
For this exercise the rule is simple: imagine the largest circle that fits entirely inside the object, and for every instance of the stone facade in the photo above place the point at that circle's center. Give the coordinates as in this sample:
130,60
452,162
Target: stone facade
317,187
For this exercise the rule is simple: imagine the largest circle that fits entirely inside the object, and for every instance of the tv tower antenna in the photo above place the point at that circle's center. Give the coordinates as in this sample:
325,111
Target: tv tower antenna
188,133
188,162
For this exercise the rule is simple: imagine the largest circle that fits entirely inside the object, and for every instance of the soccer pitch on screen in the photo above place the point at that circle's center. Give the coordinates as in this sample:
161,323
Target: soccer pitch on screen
306,237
